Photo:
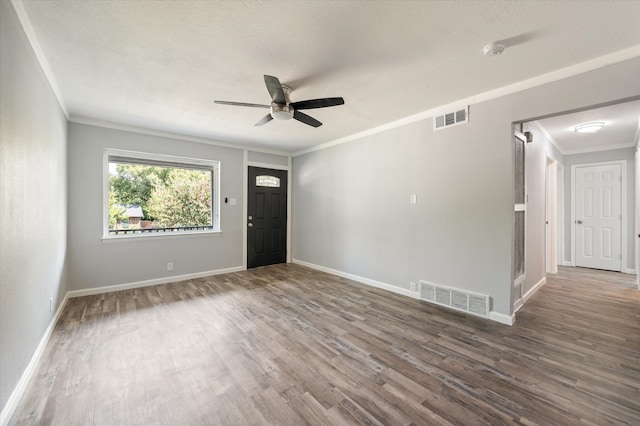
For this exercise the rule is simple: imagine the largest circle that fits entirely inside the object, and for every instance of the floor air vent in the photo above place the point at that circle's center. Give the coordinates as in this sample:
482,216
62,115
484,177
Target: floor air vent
460,300
451,119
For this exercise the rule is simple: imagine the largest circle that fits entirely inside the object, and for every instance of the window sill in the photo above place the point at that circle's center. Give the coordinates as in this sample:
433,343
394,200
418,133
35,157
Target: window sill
150,235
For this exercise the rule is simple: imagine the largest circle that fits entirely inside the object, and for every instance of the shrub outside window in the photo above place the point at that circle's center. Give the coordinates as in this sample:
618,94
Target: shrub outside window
150,194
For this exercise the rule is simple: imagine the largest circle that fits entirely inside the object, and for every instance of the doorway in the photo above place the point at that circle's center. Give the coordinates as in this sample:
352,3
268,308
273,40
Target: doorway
266,217
614,140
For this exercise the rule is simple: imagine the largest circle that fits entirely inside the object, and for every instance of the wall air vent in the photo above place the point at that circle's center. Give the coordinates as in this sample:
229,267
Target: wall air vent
460,300
449,119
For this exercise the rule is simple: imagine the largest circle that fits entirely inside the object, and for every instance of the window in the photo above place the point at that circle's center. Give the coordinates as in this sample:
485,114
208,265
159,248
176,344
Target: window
149,194
268,181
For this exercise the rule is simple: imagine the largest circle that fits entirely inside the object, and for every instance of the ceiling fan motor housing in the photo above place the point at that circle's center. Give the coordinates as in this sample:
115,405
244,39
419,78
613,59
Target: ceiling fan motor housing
281,112
281,107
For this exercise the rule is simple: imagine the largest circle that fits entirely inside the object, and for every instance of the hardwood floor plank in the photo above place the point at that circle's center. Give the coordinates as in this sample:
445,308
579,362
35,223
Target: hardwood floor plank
287,345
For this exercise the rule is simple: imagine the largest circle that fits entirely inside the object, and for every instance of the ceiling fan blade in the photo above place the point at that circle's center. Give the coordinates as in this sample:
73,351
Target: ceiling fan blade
243,104
317,103
264,120
275,89
306,119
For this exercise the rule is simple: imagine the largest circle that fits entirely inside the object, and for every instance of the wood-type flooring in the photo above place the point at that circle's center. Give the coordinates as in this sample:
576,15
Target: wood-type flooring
287,345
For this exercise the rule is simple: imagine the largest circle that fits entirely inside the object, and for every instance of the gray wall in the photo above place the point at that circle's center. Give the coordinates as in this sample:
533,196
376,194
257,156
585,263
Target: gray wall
351,207
94,262
274,159
33,202
627,154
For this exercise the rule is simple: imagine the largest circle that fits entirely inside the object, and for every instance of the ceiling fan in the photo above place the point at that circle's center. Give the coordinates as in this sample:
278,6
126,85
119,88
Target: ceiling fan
281,106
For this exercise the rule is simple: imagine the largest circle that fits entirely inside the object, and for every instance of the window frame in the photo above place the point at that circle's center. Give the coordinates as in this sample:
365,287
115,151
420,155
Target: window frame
161,160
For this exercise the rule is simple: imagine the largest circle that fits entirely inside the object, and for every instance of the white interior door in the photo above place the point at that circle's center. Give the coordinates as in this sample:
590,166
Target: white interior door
598,216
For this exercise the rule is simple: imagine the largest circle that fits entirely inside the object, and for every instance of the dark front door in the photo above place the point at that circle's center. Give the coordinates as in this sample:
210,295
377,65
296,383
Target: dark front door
267,217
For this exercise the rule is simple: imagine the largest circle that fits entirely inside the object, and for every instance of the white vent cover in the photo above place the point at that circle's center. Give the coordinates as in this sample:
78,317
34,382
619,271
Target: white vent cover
449,119
460,300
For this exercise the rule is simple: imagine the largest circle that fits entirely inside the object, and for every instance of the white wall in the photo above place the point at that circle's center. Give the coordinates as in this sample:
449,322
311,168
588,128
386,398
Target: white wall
627,154
33,202
351,207
94,262
535,250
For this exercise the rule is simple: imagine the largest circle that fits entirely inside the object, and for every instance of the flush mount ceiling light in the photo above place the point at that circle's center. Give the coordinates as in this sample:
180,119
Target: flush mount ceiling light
494,49
589,127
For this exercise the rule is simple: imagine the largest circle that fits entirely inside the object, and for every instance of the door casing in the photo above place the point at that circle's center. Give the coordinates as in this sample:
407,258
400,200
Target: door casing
245,182
637,216
517,281
551,206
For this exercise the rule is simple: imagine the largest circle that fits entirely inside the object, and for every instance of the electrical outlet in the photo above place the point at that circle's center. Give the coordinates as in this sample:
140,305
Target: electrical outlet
51,304
412,286
170,266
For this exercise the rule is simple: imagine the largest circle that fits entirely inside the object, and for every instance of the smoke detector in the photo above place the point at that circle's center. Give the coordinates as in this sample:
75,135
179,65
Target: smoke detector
494,49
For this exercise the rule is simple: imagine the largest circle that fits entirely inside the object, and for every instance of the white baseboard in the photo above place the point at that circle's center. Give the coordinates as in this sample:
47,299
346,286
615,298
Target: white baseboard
517,305
502,318
535,288
147,283
528,294
363,280
629,271
18,391
495,316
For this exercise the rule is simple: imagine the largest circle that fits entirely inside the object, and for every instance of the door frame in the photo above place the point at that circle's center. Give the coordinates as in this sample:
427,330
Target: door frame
517,282
551,215
623,207
245,199
636,235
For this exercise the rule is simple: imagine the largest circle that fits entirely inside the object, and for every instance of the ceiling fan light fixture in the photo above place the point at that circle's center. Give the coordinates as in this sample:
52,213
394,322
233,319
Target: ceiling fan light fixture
494,49
281,112
589,127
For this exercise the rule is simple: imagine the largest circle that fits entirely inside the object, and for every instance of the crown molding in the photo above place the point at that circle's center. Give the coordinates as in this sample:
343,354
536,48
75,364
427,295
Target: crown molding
552,141
600,148
160,133
550,77
37,50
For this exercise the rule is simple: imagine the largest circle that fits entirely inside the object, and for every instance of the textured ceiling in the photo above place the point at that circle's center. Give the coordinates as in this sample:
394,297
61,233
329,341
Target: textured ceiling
160,64
622,124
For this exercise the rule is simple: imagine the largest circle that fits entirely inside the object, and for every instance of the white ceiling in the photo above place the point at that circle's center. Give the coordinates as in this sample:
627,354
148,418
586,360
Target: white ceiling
622,124
160,64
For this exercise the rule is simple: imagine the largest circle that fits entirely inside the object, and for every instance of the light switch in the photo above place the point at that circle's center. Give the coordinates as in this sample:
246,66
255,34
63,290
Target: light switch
413,199
233,202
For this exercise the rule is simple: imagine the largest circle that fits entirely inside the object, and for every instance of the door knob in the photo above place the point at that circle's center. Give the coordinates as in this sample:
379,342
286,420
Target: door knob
250,225
579,222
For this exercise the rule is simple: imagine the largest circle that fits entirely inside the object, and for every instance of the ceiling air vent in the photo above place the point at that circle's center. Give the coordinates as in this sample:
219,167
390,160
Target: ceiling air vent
451,119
